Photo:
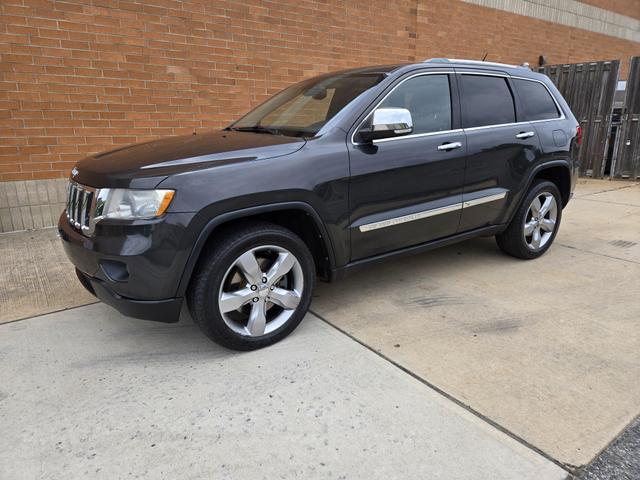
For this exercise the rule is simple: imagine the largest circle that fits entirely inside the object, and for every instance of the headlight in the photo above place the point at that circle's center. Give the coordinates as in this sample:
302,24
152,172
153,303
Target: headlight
126,204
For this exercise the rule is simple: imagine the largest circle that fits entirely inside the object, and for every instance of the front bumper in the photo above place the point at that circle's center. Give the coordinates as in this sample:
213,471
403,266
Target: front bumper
167,311
135,268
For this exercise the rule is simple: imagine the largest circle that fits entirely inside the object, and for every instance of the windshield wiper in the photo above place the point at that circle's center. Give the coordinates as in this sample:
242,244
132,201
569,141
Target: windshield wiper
257,129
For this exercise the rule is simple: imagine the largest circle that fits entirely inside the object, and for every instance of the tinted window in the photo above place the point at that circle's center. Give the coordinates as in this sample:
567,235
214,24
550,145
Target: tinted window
486,101
428,99
537,102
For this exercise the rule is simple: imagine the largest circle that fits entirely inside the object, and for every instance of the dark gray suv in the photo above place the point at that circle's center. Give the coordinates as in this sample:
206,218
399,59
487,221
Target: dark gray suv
332,173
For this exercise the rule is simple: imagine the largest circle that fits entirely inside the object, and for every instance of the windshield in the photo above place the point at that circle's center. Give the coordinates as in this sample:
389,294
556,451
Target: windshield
302,109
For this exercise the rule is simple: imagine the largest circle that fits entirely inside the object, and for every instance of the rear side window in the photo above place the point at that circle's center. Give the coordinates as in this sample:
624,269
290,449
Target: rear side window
536,100
486,101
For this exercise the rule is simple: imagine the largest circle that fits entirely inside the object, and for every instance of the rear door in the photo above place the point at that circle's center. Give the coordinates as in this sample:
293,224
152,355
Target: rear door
407,190
540,108
500,148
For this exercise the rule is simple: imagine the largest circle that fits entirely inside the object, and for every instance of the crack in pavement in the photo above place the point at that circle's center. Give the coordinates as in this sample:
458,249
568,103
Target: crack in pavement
622,187
598,254
608,201
570,469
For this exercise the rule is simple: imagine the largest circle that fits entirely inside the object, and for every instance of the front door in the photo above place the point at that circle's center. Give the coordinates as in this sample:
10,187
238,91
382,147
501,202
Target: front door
407,190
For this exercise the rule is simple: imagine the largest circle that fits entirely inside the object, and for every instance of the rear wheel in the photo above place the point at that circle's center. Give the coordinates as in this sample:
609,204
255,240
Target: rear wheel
252,287
535,224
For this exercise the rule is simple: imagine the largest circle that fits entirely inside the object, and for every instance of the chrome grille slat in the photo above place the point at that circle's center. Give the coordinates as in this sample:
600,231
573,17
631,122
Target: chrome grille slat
80,206
86,206
70,190
74,204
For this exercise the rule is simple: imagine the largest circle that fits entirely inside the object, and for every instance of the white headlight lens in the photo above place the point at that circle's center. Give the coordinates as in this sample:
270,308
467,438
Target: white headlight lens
126,204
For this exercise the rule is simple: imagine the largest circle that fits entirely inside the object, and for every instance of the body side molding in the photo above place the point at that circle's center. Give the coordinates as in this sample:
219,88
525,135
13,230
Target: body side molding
431,212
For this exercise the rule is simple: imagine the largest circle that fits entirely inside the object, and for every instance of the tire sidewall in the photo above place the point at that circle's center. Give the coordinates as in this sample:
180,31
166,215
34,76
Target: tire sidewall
536,190
208,312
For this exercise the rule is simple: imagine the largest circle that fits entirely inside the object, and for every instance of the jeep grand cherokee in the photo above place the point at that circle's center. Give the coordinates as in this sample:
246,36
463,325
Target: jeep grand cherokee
334,172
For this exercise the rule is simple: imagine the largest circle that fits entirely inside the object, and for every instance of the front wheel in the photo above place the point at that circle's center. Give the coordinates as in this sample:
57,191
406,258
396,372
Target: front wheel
535,224
252,287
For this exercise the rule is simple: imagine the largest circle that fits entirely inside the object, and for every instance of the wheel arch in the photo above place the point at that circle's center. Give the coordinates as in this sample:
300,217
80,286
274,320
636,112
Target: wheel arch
558,173
299,217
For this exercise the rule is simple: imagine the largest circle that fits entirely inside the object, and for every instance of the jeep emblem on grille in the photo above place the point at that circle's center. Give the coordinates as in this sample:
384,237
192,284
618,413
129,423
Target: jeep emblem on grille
74,171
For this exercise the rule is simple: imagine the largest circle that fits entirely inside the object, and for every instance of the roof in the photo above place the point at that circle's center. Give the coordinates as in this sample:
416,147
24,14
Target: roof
478,63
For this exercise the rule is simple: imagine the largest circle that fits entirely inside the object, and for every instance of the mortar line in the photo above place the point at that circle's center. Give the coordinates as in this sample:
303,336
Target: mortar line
598,254
570,469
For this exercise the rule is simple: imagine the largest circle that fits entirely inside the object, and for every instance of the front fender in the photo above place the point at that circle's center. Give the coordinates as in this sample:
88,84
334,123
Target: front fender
207,226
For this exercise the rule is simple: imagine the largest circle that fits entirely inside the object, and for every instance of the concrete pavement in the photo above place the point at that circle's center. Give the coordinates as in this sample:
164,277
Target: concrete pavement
35,276
87,393
548,349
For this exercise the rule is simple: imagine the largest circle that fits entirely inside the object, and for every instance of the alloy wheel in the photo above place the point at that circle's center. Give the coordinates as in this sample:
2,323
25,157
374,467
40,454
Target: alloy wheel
261,290
540,221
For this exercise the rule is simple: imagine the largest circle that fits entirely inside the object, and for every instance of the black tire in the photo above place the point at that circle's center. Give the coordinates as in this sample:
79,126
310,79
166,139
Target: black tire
512,240
212,269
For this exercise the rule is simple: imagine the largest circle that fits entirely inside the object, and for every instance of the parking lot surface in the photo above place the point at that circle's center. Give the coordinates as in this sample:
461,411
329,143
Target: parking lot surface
457,363
87,393
546,348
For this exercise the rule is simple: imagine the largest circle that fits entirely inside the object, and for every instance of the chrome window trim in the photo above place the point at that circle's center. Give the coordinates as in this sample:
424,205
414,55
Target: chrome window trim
415,135
498,125
390,222
459,130
484,74
515,77
447,71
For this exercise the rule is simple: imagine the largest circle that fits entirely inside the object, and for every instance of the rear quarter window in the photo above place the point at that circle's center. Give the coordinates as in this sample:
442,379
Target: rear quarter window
536,100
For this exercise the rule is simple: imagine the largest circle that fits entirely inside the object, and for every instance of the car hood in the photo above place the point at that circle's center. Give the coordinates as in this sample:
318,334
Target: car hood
145,165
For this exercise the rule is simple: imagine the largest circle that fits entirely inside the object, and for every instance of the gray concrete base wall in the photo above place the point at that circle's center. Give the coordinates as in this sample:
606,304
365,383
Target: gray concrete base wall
29,204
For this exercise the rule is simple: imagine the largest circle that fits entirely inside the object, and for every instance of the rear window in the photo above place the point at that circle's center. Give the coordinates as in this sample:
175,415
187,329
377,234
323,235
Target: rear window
486,101
536,100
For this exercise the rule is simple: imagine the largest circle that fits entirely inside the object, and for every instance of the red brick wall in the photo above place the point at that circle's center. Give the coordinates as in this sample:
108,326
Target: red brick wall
77,77
511,38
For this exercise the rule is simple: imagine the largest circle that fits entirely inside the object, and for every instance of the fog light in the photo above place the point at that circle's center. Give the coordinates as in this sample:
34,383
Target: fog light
114,270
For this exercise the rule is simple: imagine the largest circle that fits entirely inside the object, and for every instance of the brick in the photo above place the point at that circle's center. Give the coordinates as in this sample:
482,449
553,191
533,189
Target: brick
79,77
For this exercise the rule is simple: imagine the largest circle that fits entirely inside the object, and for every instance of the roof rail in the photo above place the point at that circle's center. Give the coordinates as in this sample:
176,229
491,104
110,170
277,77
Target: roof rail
473,62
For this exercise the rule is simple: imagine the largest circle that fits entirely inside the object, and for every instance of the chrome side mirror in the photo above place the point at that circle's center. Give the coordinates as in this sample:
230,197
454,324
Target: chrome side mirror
387,123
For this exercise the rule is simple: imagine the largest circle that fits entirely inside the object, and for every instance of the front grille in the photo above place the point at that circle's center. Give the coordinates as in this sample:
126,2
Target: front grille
80,205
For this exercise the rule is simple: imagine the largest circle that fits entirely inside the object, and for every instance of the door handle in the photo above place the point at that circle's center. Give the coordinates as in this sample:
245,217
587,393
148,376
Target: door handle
449,146
525,135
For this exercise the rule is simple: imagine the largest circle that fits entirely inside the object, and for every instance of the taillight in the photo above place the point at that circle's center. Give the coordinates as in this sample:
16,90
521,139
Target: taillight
578,135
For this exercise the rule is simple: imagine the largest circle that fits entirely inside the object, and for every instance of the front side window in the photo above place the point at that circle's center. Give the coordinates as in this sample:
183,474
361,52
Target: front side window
486,101
304,108
536,99
428,98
